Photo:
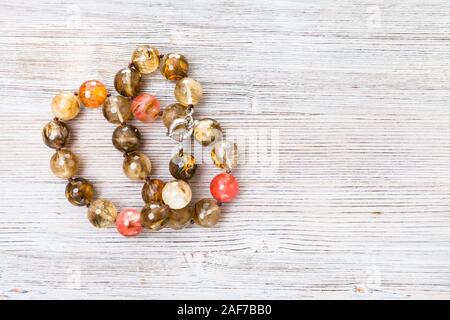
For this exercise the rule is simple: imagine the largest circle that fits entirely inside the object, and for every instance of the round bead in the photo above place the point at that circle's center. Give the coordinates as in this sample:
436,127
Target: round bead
180,218
117,109
79,192
224,187
152,190
128,222
65,105
172,112
177,194
225,154
188,91
102,213
207,131
145,107
64,164
145,59
174,66
126,138
182,166
55,134
127,82
92,93
136,166
207,212
154,215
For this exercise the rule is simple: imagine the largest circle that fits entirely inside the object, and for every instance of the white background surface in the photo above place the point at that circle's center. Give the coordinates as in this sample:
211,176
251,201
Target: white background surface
344,188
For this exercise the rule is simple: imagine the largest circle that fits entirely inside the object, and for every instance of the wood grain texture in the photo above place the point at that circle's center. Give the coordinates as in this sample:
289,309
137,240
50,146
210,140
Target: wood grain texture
341,112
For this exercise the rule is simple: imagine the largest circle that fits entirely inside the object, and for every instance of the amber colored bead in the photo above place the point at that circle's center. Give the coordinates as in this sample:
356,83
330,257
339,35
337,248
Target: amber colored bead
65,105
145,59
117,109
225,154
145,107
152,190
177,194
174,66
180,218
64,164
136,166
127,82
154,215
188,91
207,212
182,166
102,213
79,192
55,134
172,112
92,93
207,131
126,138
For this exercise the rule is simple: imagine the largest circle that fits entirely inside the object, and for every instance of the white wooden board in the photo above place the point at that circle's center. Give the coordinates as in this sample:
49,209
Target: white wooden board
341,110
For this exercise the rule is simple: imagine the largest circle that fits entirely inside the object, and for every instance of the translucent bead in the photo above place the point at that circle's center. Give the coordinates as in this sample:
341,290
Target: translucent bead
172,112
207,212
128,222
127,82
145,107
92,93
182,166
177,194
117,109
102,213
55,134
136,166
225,154
65,105
79,192
224,187
152,190
126,138
180,218
188,91
154,215
207,131
145,59
64,164
174,66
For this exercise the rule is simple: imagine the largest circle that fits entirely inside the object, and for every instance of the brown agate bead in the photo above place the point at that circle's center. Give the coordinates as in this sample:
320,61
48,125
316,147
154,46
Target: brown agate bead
126,138
180,218
65,105
55,134
92,93
225,154
182,166
145,59
117,109
174,66
207,212
188,91
64,164
172,112
127,82
102,213
136,165
79,192
154,215
152,190
207,131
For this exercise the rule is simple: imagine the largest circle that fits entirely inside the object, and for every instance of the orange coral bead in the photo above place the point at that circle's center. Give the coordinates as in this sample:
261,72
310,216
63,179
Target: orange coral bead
92,93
